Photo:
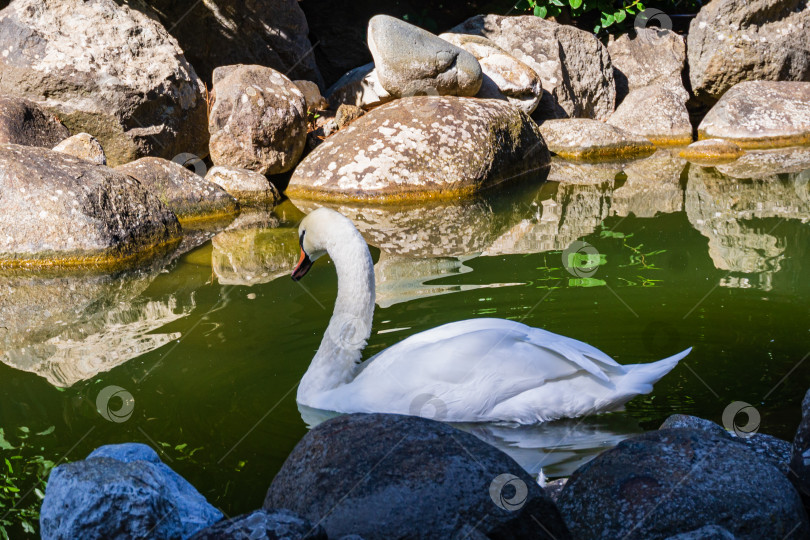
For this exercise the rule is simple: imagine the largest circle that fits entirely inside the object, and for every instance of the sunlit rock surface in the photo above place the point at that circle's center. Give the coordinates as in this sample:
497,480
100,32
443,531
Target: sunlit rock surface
254,249
421,148
70,328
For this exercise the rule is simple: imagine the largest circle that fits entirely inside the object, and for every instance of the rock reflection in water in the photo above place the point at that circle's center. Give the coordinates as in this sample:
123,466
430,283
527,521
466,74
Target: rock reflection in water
69,328
258,247
726,210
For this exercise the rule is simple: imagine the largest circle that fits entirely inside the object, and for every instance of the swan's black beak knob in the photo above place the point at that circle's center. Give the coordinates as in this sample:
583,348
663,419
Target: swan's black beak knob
303,266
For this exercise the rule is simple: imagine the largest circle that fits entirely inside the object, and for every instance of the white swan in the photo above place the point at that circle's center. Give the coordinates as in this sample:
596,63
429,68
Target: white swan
478,370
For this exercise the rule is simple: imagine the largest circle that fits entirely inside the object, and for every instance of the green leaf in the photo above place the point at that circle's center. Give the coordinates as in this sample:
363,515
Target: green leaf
522,4
10,468
619,16
558,3
575,4
47,431
4,444
181,447
27,527
596,29
39,494
554,11
24,429
607,20
540,11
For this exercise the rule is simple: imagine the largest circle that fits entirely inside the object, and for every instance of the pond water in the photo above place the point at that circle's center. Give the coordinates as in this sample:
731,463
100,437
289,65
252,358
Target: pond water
210,344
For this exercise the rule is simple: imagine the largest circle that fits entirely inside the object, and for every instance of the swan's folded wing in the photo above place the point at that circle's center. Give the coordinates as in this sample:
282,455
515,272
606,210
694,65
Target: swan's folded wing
498,355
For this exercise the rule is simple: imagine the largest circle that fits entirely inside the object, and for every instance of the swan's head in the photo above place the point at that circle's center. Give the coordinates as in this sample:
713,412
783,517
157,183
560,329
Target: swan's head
318,230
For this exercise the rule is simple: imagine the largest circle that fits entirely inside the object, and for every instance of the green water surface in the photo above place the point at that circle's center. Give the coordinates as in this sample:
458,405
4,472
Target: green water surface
211,343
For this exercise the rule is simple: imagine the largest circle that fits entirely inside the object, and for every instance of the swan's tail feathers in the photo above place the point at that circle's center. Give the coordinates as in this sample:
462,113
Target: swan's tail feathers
640,378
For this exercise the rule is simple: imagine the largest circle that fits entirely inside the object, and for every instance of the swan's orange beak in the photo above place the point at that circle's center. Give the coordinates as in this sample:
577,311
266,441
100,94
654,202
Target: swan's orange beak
303,266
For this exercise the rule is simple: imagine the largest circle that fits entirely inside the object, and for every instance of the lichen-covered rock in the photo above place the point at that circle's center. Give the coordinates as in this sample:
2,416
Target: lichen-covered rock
420,148
655,56
712,150
258,120
106,69
218,33
574,67
671,481
581,138
656,113
57,209
312,96
347,114
504,76
263,525
246,186
730,42
370,474
24,122
122,491
359,87
761,114
186,194
83,146
413,62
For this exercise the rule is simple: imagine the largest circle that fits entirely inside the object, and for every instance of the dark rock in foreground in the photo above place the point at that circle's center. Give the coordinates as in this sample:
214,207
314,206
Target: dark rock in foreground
391,476
263,525
57,209
122,491
674,481
800,454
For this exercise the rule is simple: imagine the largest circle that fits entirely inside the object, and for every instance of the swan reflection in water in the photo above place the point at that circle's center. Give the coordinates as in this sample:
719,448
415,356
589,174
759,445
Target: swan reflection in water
557,448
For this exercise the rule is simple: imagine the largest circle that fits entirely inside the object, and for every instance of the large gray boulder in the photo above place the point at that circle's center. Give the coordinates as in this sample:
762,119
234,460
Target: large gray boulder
258,120
581,138
24,122
391,476
413,62
122,491
654,56
422,147
216,33
657,113
106,69
761,114
263,525
574,67
505,77
57,209
190,196
673,481
731,41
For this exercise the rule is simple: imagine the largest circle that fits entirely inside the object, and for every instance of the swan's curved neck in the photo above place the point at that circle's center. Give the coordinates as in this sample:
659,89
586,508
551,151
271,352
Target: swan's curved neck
342,346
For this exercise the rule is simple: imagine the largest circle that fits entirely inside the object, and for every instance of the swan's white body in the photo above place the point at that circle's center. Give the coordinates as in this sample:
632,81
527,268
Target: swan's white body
477,370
